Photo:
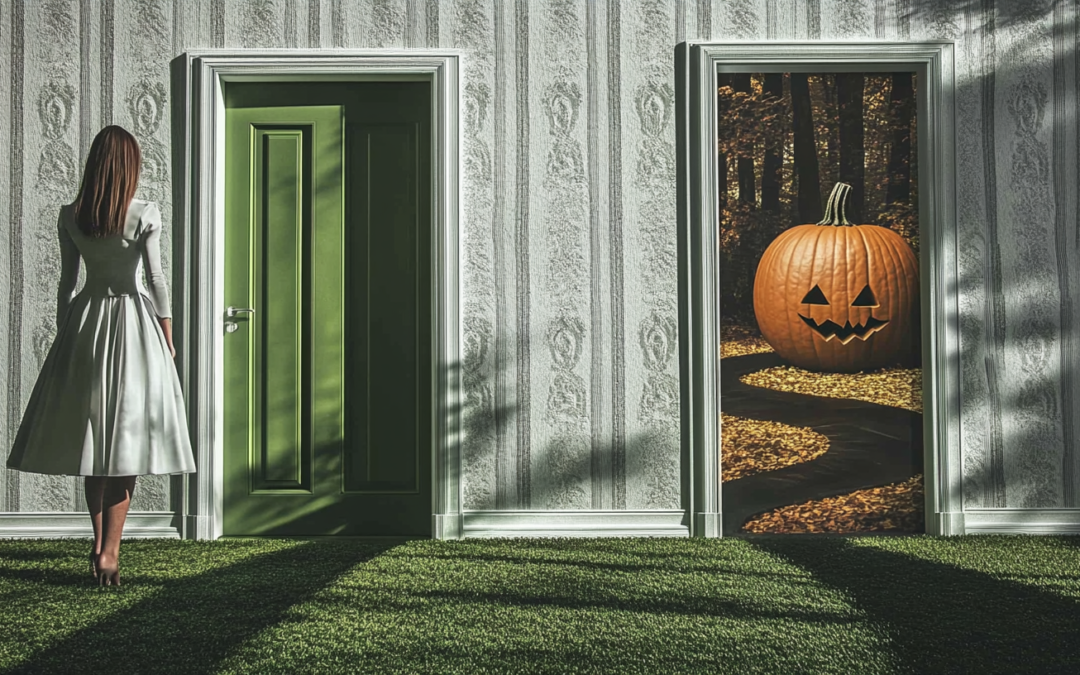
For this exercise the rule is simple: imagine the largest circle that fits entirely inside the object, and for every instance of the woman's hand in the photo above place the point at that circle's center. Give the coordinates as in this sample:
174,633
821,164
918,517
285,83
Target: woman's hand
166,328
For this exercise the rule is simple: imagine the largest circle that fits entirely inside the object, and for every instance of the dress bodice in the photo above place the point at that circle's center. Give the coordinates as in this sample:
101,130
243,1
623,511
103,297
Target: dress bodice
113,262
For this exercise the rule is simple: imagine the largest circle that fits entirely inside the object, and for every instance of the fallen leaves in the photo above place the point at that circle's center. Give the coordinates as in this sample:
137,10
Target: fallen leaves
740,341
750,446
897,387
897,506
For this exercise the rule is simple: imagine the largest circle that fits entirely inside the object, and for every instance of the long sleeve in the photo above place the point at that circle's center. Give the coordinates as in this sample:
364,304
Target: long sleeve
69,271
155,278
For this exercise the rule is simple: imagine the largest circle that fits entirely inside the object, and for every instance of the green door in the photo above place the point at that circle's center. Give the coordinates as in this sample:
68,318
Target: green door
327,400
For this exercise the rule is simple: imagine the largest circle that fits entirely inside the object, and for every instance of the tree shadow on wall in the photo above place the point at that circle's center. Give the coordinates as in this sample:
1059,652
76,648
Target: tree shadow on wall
1012,157
949,16
571,473
566,468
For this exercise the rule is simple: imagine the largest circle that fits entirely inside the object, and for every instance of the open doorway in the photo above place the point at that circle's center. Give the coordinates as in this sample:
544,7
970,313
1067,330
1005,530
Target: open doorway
927,443
821,371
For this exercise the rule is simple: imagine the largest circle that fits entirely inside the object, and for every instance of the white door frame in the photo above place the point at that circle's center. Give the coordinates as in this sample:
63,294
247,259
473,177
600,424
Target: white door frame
198,208
697,64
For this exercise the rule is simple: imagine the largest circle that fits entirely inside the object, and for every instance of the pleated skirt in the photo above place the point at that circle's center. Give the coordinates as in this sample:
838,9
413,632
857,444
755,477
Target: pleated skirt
108,400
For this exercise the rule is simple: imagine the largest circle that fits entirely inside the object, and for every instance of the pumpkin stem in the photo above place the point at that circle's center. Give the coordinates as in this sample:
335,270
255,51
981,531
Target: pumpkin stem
836,209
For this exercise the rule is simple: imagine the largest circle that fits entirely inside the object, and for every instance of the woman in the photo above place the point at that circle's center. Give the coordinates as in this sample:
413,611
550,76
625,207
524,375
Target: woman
107,404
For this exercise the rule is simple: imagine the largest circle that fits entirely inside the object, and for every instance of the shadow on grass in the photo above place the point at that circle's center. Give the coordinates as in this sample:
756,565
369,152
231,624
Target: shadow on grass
190,625
1070,540
665,564
565,587
687,605
944,619
20,552
59,576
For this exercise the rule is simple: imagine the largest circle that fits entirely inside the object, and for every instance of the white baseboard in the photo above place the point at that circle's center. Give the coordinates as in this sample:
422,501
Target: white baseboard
1022,521
200,527
945,523
145,524
709,524
63,525
446,526
584,523
645,523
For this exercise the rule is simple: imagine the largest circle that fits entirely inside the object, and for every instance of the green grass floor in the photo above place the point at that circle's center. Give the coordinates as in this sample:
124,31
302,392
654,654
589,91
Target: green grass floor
794,604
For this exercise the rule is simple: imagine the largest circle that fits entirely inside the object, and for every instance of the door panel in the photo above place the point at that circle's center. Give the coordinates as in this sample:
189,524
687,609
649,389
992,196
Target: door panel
383,454
283,199
280,233
327,402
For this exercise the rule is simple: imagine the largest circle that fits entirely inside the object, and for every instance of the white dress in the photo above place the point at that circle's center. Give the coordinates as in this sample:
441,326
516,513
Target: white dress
108,400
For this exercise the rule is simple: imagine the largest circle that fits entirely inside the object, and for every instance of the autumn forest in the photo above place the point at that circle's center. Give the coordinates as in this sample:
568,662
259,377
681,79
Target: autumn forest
786,138
820,377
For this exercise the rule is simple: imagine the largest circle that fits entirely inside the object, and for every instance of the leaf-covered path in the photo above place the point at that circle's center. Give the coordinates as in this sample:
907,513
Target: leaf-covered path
869,444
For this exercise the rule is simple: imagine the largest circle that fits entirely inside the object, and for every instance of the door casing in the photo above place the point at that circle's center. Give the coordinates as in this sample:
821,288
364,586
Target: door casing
198,207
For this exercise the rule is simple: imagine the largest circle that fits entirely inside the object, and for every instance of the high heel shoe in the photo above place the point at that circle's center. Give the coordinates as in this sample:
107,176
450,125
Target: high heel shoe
109,577
93,564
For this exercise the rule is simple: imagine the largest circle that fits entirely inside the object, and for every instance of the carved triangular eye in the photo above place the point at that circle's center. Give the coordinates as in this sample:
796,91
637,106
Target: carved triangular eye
815,297
866,298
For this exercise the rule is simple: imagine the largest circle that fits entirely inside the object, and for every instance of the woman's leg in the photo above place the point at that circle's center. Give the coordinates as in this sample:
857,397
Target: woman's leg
117,499
95,492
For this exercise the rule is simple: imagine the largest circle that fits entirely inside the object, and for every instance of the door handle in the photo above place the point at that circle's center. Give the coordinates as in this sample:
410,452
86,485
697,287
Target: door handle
234,311
231,313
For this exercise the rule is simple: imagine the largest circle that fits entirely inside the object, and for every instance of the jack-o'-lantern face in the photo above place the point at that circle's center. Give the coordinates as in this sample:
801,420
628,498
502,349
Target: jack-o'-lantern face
838,297
829,329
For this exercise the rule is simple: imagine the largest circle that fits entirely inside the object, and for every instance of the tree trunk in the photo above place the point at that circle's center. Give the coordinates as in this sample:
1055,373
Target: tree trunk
900,153
770,172
741,82
722,80
849,98
806,160
829,172
729,303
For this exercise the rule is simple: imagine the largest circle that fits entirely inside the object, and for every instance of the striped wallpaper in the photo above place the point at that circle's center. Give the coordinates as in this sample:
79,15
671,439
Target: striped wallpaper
569,236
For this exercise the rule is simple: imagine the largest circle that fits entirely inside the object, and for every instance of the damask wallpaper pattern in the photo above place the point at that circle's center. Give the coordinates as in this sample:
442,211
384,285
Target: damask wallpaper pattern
569,235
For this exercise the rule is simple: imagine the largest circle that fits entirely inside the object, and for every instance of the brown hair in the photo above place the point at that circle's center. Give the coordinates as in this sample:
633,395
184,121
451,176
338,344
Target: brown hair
109,181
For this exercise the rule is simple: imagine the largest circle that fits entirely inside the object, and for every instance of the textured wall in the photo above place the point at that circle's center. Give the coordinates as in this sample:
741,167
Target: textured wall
571,368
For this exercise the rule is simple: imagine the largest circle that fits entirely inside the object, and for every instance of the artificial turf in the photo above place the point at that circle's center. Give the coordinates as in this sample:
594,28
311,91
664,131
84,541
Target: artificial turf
759,604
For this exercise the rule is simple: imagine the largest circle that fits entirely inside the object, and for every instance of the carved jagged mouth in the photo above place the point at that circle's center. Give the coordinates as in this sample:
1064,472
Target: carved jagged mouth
829,329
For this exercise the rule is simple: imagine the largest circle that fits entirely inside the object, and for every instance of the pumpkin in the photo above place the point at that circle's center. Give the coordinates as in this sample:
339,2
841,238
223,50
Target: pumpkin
839,297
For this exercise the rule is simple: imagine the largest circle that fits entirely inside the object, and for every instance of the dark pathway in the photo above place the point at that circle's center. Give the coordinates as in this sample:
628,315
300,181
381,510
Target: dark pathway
869,444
